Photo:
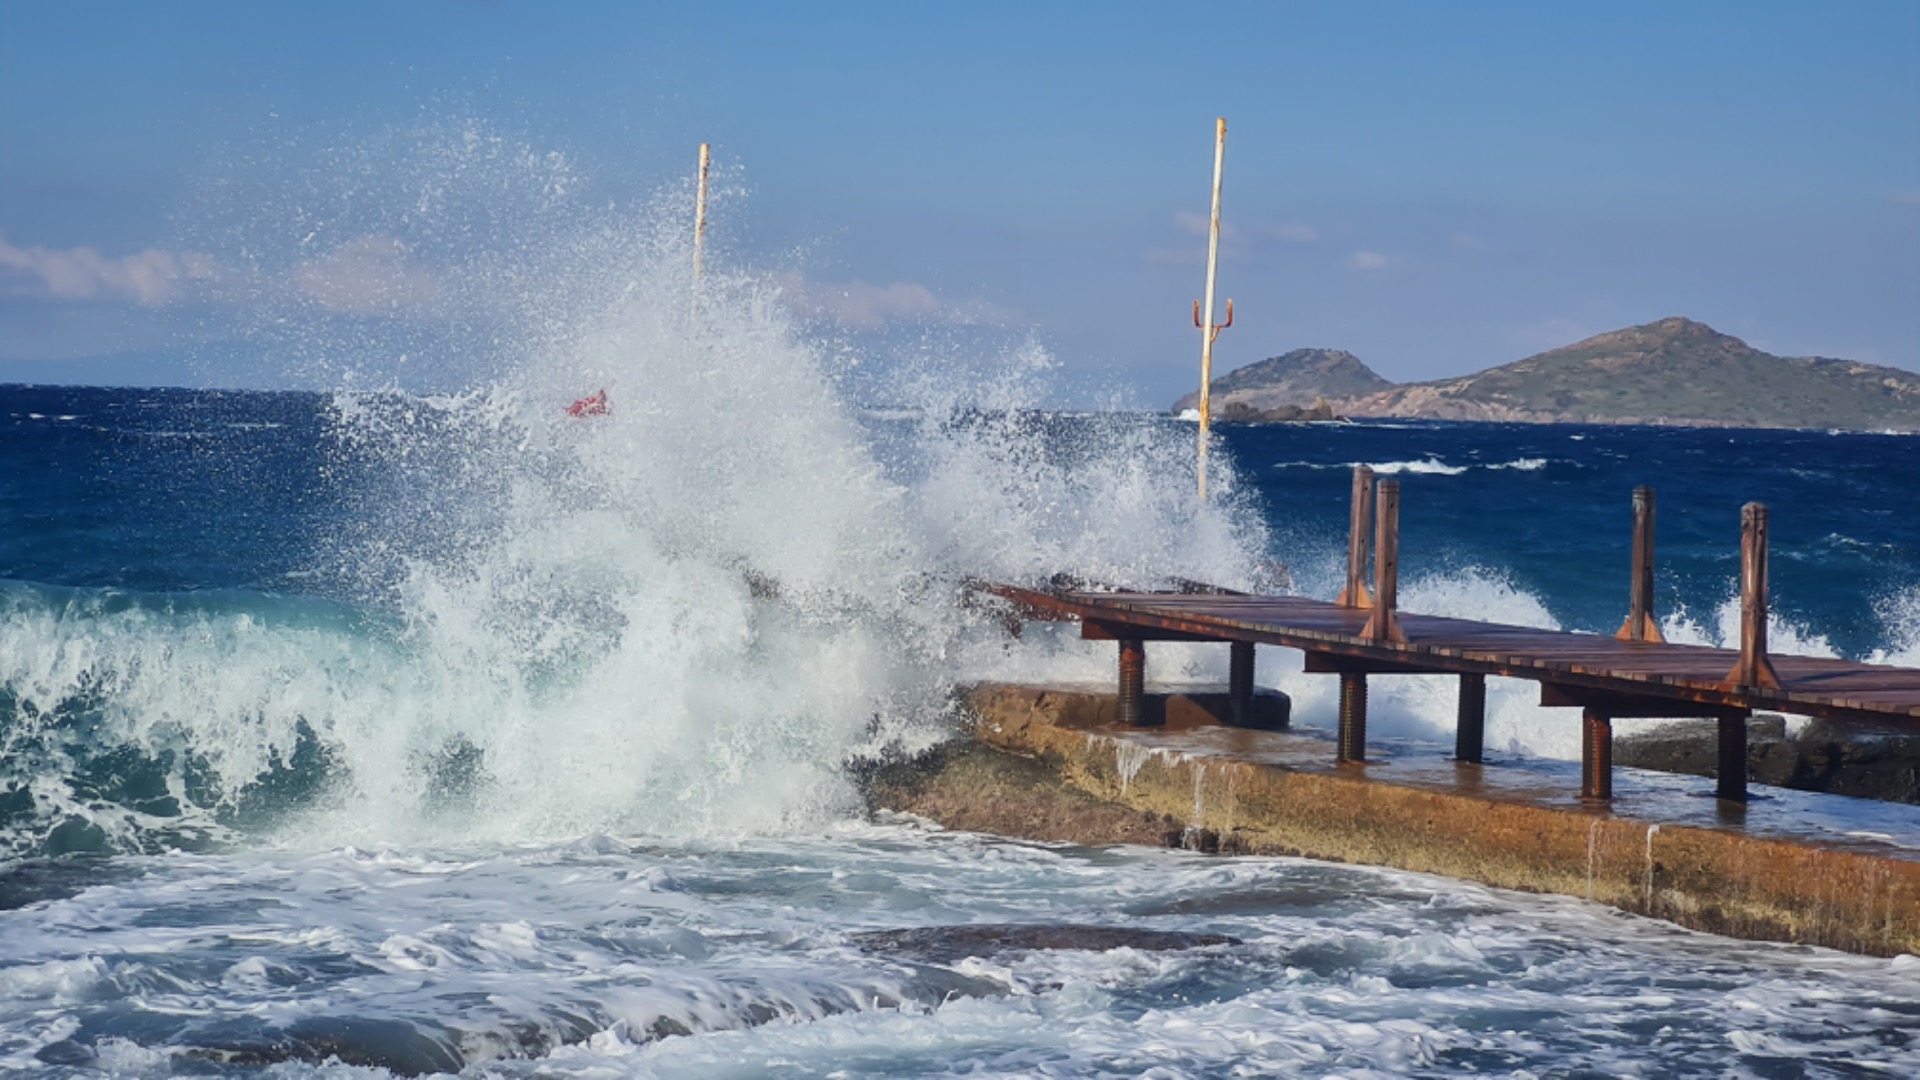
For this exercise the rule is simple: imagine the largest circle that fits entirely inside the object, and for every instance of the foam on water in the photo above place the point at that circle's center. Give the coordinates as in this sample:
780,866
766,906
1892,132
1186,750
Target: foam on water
547,777
586,959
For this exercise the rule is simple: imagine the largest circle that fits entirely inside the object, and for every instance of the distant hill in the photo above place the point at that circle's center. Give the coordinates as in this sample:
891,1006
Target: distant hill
1297,380
1674,371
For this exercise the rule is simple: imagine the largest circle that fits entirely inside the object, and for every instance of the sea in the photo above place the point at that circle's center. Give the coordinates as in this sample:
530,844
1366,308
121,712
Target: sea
408,724
357,734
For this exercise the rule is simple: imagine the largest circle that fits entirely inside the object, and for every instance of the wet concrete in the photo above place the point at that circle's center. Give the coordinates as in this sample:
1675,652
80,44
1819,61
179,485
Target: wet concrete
1045,763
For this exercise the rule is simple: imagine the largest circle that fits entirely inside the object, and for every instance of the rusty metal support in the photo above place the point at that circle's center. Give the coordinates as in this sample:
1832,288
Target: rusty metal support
1133,682
1754,668
1470,728
1640,624
1359,541
1384,624
1596,756
1353,716
1240,683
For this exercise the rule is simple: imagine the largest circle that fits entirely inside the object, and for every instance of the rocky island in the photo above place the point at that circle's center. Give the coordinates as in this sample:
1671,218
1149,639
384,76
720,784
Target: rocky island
1674,371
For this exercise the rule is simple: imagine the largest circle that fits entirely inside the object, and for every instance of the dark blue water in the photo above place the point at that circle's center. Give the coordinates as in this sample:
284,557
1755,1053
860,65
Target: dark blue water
166,490
171,490
329,753
1550,507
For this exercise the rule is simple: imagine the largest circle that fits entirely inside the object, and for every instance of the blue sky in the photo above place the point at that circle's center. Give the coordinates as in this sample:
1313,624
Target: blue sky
1435,187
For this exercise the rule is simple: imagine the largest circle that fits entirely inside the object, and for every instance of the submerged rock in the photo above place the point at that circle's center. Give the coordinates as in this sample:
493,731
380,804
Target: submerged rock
946,944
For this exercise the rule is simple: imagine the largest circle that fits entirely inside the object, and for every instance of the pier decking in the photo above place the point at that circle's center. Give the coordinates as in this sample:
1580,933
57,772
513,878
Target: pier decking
1570,666
1633,674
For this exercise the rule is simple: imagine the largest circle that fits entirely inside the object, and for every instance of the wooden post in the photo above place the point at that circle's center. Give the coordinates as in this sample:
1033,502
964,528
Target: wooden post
1470,727
1754,669
1640,624
1596,756
700,223
1352,742
1133,680
1359,537
1208,331
1732,782
1240,683
1384,624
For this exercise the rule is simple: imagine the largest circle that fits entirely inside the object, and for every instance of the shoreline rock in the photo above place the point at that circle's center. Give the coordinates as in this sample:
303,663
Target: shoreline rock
1823,757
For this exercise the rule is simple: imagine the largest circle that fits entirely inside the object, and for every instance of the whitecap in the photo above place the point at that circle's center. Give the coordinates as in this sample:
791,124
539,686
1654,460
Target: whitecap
1423,467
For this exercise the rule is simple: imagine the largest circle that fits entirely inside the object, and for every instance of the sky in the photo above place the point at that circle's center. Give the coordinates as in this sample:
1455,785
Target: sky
1437,188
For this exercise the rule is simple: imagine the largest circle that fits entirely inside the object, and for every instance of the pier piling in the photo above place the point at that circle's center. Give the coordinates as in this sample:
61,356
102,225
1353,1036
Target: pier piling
1240,683
1353,717
1731,782
1640,624
1359,541
1596,755
1755,669
1470,728
1133,681
1384,624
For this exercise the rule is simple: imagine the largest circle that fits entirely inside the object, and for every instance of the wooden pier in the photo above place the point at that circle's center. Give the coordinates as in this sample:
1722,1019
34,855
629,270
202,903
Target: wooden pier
1631,674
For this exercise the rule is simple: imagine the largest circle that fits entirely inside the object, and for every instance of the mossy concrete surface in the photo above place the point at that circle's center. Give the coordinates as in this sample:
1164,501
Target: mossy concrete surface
1044,763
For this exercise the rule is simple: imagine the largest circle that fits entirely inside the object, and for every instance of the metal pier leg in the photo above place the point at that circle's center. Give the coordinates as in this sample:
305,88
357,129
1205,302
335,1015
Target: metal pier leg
1470,730
1133,680
1353,716
1596,756
1240,683
1733,759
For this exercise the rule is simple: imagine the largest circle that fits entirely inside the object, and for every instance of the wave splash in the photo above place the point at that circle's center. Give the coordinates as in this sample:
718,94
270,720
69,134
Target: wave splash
680,618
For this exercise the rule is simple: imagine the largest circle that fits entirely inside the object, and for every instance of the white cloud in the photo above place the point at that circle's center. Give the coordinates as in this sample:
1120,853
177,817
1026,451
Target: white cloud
1237,241
1197,224
151,278
1370,260
860,305
369,275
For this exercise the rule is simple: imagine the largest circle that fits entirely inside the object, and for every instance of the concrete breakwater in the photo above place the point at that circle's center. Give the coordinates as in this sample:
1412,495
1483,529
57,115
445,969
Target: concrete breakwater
1047,763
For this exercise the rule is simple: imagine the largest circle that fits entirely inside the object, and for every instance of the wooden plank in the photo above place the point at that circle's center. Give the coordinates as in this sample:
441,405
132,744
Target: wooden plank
1444,645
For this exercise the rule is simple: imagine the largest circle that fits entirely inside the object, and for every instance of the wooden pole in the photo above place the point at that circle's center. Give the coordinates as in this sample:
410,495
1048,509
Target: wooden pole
700,223
1754,668
1640,625
1208,331
1384,624
1359,541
